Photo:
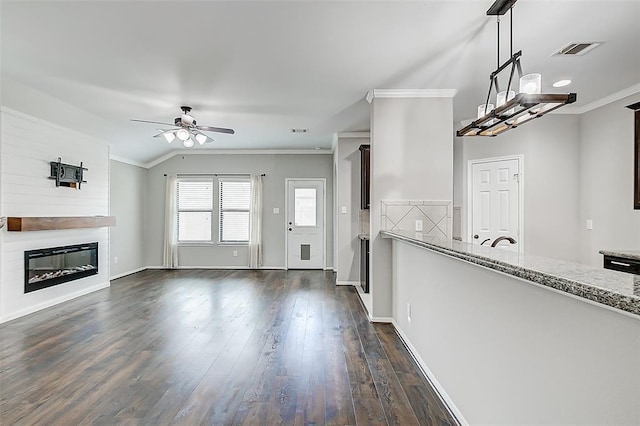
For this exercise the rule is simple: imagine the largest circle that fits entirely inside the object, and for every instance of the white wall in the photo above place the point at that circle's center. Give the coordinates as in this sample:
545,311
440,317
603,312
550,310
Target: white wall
128,200
347,156
277,167
28,144
606,181
551,150
507,351
411,159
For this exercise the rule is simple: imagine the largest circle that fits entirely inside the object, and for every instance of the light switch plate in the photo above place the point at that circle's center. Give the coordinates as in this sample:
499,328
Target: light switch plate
343,209
276,210
418,225
589,224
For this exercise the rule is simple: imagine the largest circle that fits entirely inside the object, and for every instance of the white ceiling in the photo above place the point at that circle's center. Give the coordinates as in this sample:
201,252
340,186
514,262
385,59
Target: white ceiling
264,67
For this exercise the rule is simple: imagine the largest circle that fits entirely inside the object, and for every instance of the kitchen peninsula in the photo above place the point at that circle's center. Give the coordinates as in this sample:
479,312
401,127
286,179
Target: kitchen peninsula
507,336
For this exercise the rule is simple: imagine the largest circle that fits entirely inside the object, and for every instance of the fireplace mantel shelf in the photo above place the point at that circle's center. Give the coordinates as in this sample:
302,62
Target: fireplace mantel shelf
22,224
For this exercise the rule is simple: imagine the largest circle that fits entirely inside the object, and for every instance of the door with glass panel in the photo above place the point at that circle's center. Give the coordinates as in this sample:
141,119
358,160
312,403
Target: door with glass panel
305,223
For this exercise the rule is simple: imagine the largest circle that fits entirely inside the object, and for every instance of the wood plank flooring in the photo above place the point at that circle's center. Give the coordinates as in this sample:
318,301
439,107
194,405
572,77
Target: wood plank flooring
211,347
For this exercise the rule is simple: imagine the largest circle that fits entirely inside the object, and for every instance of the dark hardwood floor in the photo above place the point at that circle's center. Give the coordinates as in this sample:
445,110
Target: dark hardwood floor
211,347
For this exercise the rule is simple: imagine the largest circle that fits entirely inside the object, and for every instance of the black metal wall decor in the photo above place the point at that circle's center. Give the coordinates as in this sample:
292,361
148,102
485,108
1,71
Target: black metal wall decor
67,174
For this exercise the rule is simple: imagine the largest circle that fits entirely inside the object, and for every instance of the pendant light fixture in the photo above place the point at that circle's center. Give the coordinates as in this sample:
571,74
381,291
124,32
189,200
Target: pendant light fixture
511,109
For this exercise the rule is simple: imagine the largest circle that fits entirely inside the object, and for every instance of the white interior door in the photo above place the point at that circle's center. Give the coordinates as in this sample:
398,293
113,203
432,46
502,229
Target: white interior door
305,224
495,202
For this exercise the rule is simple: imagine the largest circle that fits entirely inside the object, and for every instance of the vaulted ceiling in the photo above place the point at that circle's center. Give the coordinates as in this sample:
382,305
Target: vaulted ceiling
265,67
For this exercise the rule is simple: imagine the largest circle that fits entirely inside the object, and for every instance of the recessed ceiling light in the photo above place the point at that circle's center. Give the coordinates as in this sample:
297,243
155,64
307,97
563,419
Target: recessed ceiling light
562,83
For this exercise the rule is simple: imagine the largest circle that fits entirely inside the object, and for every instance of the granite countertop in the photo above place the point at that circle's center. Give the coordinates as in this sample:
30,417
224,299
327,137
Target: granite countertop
625,254
363,236
612,288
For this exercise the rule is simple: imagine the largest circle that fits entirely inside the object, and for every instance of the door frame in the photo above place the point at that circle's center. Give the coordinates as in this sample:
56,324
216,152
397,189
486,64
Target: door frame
469,209
324,220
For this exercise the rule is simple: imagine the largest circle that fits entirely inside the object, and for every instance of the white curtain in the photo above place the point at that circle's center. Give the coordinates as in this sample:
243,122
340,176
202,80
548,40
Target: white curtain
255,226
170,258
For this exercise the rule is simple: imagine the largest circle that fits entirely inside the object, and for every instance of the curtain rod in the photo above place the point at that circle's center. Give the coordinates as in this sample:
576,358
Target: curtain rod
215,174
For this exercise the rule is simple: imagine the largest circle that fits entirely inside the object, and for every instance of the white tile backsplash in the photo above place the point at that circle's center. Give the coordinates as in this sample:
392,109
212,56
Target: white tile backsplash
402,215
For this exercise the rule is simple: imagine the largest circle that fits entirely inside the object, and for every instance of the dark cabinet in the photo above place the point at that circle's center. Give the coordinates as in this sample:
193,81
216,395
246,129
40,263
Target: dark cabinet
365,174
364,265
621,264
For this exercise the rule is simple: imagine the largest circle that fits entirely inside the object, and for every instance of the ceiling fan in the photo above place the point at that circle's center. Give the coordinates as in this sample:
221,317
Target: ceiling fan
186,129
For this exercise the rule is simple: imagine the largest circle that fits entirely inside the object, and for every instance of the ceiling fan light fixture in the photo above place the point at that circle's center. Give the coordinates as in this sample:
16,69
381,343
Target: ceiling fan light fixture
188,143
182,134
201,138
169,136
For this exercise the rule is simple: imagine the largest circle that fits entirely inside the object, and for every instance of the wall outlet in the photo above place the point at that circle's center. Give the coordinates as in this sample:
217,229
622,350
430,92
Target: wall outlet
343,209
409,312
276,210
115,259
235,253
589,224
418,225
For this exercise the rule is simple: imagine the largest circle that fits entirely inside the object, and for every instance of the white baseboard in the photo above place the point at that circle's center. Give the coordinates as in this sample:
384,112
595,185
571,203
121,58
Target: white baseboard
124,274
49,303
455,411
200,267
382,319
354,283
280,268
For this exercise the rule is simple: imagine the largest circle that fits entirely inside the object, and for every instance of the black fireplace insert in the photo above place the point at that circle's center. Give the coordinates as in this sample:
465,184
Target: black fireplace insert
56,265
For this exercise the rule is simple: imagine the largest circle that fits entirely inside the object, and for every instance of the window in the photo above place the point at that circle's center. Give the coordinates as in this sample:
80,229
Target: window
195,210
305,207
235,205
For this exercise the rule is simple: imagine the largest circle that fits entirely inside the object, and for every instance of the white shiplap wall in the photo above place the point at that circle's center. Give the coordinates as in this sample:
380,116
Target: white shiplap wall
27,145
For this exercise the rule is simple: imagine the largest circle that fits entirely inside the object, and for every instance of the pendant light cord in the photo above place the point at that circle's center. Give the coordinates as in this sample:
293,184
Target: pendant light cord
498,44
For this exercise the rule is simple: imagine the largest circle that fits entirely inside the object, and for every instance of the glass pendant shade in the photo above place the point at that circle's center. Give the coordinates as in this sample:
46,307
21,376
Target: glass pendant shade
504,97
531,84
201,138
169,137
187,143
484,109
182,134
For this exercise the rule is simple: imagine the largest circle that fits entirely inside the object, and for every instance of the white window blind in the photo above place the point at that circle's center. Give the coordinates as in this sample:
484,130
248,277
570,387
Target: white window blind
195,209
235,205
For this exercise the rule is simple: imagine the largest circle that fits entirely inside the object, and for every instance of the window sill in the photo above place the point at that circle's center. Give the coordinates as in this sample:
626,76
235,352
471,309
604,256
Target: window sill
197,244
232,244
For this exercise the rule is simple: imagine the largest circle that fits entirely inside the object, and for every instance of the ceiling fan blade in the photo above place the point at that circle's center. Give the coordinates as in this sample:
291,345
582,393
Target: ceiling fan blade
155,122
162,132
216,129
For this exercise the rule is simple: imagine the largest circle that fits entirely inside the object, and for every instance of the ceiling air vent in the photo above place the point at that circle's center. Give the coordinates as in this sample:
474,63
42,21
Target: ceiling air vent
576,49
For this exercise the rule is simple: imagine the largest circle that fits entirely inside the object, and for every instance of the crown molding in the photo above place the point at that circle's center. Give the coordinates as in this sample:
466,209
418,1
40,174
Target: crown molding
127,161
410,93
347,135
169,155
629,91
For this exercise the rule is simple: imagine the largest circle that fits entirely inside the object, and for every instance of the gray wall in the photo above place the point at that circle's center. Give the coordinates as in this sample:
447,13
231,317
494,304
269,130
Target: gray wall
606,181
277,167
551,150
507,351
128,199
347,156
411,159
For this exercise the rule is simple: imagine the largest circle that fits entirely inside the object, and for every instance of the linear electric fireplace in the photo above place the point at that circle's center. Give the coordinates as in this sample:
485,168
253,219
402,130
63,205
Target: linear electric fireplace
52,266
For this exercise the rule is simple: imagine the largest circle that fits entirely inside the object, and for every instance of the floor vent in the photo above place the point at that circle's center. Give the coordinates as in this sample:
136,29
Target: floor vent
576,49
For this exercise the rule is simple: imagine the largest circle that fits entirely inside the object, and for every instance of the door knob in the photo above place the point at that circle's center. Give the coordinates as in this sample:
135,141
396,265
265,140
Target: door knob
475,237
290,223
289,229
